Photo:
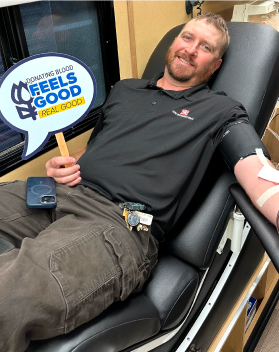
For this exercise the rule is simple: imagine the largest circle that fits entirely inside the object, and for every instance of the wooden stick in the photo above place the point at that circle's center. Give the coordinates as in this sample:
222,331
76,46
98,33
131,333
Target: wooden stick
62,145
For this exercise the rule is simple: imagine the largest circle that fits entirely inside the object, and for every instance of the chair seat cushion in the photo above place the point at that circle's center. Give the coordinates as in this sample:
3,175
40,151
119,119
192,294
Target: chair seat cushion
163,303
172,289
121,325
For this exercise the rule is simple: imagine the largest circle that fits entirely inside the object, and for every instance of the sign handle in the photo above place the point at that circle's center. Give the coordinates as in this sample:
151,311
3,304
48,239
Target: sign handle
62,145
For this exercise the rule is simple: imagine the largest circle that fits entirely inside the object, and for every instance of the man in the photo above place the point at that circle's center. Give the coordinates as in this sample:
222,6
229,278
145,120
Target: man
151,146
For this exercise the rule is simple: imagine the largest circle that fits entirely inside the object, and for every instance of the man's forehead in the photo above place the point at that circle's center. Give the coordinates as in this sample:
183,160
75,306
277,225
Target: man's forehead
195,23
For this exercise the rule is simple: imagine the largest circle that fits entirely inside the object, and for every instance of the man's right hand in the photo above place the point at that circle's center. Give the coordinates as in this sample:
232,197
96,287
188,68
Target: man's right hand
69,176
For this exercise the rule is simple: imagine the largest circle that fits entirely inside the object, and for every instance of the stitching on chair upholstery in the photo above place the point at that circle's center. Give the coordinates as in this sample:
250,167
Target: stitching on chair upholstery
216,228
101,332
178,299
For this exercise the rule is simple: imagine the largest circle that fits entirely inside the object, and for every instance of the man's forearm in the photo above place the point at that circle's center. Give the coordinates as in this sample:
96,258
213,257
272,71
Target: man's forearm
246,172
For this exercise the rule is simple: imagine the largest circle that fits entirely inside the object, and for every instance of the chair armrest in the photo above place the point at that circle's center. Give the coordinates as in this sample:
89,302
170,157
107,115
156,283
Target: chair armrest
265,231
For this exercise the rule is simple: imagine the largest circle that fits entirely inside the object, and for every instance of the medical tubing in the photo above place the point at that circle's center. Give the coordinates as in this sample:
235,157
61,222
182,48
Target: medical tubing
236,240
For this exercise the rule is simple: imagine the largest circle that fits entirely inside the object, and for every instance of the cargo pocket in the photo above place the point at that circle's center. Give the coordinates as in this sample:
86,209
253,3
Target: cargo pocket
88,276
150,258
125,259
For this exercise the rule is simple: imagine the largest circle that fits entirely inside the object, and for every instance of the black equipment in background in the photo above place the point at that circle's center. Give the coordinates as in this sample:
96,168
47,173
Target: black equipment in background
190,4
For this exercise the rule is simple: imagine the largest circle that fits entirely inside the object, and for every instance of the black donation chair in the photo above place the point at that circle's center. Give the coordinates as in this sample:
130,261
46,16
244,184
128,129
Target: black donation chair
172,311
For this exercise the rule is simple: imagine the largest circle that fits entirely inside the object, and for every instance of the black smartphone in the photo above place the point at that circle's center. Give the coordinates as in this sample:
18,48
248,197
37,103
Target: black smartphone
41,192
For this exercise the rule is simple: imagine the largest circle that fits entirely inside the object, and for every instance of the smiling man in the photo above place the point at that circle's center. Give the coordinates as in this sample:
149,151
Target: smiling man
195,54
150,148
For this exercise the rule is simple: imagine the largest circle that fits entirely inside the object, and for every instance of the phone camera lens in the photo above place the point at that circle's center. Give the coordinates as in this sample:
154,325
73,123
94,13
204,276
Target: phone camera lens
48,199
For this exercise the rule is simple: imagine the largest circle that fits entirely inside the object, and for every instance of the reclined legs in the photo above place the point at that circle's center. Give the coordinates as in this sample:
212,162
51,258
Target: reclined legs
71,264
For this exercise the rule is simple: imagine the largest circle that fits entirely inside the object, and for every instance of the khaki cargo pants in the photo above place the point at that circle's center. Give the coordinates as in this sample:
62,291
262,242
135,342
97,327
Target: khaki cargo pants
69,264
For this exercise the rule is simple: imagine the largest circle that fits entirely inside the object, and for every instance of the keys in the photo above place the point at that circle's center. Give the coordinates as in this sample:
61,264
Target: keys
137,219
142,227
126,214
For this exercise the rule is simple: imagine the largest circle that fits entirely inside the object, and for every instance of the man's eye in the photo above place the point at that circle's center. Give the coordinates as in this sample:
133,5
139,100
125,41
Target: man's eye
187,37
206,47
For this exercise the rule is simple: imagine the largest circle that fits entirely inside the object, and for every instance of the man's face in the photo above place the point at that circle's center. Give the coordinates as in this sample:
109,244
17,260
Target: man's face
193,56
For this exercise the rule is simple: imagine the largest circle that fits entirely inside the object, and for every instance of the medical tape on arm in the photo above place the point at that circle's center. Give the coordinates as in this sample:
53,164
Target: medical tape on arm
267,194
267,173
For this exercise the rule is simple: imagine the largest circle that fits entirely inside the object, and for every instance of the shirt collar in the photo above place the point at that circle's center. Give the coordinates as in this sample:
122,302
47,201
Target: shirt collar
190,94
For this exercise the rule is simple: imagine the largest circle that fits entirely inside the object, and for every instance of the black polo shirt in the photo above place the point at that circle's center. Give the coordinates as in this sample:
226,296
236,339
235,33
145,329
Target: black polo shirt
153,146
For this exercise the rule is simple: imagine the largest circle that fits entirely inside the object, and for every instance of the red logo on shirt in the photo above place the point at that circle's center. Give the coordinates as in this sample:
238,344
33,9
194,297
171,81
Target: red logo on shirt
184,112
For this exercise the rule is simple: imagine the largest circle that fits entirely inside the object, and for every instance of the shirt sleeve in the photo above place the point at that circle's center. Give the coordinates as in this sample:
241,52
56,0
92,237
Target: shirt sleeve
239,140
98,127
100,123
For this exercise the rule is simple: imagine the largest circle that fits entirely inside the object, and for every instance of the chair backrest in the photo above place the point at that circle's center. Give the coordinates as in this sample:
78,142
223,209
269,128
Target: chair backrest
249,71
248,74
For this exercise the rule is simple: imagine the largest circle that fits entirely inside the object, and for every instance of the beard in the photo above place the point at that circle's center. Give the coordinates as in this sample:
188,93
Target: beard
179,72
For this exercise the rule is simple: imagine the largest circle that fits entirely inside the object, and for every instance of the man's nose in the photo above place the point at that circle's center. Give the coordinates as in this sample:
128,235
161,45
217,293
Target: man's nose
191,48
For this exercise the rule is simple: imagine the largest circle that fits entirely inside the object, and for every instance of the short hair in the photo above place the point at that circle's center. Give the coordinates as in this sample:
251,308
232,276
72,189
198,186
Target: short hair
218,22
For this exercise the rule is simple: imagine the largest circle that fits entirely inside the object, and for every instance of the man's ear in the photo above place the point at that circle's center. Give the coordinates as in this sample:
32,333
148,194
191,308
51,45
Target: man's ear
218,64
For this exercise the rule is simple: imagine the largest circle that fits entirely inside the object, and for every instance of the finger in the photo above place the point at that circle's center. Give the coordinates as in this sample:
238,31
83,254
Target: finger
59,161
62,172
68,179
70,184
